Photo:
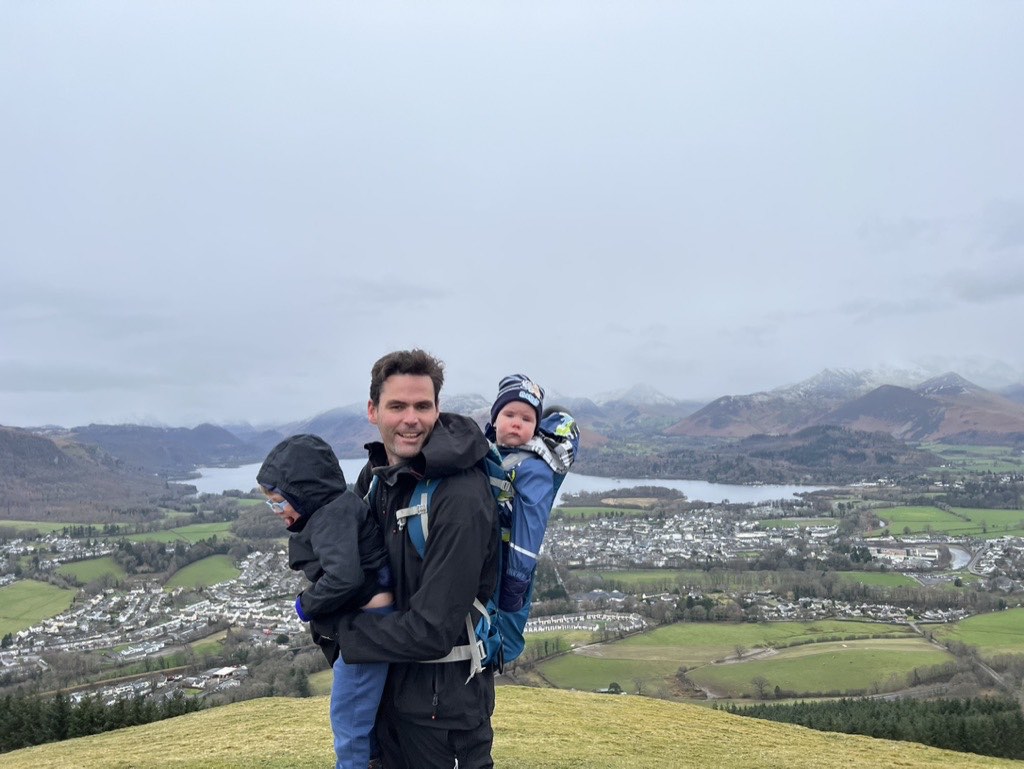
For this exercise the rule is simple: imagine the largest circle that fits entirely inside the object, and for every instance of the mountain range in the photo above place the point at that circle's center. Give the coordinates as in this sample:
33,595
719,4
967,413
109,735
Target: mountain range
944,408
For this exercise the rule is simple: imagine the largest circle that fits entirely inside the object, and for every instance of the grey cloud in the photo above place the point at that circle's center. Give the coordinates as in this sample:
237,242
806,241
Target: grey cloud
892,235
878,310
29,377
987,285
1002,226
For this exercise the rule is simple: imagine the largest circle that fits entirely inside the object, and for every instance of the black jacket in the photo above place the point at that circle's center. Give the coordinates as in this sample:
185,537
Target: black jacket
336,543
433,594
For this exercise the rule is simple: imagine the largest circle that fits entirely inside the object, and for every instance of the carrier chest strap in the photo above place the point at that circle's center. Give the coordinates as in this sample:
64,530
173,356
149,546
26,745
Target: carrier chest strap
472,651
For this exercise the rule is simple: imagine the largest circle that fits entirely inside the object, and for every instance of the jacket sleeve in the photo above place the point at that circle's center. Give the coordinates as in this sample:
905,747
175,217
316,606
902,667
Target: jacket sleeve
531,506
335,539
459,565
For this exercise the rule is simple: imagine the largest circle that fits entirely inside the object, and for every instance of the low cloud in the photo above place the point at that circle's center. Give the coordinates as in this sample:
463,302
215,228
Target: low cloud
892,235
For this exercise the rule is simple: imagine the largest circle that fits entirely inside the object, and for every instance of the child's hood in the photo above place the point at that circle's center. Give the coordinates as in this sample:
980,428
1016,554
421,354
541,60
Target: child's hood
305,471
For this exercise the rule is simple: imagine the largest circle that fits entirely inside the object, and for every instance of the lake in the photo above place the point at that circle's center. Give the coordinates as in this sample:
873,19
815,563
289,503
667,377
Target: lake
214,480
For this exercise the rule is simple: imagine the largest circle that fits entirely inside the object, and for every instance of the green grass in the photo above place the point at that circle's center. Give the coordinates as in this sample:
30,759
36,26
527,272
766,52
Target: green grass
26,602
321,683
533,729
590,674
795,523
655,657
994,523
959,459
40,526
209,571
569,513
666,580
877,578
94,568
995,633
210,646
921,519
848,667
192,533
556,640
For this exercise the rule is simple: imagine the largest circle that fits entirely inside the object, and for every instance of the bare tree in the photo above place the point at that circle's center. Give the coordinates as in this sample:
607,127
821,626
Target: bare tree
760,684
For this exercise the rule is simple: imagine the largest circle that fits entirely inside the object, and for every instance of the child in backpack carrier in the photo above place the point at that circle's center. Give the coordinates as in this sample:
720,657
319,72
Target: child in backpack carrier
537,449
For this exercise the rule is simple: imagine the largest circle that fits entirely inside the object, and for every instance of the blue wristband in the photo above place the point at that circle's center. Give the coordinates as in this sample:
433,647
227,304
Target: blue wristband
298,609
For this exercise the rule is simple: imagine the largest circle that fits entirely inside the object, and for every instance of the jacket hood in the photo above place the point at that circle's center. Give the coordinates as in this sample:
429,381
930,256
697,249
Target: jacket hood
455,444
305,471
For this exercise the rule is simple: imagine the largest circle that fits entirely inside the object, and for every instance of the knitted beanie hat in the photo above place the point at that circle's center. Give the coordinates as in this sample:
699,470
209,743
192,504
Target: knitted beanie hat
517,387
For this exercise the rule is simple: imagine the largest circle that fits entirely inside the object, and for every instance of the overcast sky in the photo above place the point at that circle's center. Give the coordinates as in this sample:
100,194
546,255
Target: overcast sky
220,211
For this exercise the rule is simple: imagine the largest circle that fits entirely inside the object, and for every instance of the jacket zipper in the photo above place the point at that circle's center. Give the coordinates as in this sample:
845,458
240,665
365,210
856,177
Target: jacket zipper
433,687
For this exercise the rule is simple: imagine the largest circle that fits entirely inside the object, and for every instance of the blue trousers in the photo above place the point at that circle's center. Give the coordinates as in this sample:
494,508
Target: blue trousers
355,697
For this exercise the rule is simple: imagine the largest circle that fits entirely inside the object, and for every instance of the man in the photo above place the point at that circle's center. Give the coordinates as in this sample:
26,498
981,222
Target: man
430,715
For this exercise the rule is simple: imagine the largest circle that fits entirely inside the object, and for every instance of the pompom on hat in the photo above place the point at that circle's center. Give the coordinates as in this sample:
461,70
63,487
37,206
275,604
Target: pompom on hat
518,387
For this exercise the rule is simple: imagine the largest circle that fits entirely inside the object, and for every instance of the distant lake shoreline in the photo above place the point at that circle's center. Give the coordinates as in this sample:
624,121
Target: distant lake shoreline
214,480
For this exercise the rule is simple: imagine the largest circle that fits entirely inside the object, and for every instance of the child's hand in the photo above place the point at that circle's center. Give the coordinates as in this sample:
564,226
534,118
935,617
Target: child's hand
298,609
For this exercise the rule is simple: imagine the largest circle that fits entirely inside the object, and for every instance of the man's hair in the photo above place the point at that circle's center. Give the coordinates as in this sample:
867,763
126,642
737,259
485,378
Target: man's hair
415,362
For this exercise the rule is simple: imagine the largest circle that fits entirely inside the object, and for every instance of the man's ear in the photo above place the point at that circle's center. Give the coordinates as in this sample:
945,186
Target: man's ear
371,412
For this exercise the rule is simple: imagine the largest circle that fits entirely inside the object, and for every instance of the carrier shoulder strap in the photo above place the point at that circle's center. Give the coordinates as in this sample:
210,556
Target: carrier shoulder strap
417,514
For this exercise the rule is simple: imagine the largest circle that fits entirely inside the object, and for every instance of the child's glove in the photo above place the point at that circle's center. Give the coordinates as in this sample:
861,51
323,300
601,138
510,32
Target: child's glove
298,609
513,593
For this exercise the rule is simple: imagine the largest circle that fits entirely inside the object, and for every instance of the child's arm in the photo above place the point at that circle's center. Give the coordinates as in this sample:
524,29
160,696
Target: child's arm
335,540
531,506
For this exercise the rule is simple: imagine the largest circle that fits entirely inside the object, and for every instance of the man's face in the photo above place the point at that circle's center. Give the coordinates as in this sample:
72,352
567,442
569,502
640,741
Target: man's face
405,415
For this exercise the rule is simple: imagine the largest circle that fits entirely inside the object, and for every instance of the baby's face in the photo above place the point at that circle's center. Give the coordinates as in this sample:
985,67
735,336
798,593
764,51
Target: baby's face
515,424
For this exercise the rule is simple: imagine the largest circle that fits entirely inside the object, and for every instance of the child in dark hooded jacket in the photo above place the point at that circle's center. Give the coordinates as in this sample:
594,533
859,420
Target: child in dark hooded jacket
338,545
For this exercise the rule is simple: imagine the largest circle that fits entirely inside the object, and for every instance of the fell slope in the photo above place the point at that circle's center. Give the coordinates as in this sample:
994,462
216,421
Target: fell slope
534,729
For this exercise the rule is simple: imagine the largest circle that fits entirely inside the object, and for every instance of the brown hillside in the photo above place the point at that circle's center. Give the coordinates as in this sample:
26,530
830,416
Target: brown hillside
42,479
947,408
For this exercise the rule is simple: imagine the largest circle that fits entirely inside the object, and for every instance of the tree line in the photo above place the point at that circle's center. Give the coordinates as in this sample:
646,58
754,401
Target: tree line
989,726
26,720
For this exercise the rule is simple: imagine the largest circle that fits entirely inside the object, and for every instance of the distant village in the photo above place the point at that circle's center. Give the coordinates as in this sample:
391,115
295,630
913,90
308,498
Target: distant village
146,621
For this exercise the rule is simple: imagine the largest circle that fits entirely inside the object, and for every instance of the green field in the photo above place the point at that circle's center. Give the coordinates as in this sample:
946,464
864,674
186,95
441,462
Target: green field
557,640
975,459
974,522
40,526
192,533
994,523
654,658
666,580
999,632
877,578
94,568
796,523
209,571
26,602
568,513
321,683
848,667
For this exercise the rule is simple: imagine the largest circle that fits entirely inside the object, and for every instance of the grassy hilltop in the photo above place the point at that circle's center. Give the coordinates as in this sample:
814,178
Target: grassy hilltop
534,729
